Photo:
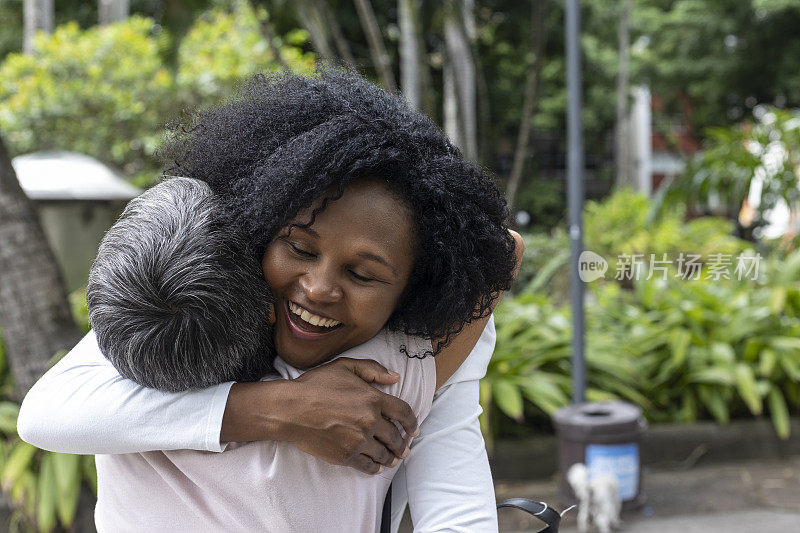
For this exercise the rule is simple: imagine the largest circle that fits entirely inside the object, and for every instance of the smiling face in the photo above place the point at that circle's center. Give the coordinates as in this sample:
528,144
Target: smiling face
337,282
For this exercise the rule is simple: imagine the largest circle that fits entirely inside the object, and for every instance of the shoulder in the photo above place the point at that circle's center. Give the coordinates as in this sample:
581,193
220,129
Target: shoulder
452,356
475,365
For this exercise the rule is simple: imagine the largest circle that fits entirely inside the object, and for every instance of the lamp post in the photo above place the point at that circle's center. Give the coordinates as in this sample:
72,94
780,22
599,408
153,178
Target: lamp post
575,194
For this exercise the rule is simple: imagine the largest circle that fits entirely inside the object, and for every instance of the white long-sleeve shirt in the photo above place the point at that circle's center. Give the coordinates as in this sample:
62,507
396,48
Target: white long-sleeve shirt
82,405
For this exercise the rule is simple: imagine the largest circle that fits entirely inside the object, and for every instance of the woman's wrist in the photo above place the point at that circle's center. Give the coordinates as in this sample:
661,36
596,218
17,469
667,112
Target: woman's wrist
257,411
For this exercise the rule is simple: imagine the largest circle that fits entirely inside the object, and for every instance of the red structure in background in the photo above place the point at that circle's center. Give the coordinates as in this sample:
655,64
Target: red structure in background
672,140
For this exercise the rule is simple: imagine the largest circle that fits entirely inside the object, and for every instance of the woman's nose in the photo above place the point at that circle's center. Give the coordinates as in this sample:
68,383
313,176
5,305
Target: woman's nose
320,285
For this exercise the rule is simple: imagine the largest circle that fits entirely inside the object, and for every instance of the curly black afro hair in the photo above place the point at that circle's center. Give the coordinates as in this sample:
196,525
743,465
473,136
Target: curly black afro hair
285,140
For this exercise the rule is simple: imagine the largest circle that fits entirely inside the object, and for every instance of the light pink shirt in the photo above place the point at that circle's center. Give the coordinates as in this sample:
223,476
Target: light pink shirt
260,486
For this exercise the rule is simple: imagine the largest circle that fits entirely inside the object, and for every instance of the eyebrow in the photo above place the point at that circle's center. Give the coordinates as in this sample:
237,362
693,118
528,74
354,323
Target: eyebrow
377,259
366,255
305,229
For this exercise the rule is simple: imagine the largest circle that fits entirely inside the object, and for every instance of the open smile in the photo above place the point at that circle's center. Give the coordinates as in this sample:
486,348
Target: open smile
306,325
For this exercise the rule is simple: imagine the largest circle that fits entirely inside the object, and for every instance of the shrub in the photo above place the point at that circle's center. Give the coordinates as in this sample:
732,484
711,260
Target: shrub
680,349
223,48
102,91
106,91
43,487
718,179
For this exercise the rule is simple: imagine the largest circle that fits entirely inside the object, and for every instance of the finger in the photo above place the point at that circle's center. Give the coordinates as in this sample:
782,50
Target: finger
396,409
389,436
370,371
364,464
376,451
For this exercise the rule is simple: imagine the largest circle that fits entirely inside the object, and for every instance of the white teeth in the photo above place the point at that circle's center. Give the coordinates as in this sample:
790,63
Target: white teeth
311,318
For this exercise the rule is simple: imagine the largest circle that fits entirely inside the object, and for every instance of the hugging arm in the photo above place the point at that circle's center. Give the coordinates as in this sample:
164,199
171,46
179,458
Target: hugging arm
82,405
447,478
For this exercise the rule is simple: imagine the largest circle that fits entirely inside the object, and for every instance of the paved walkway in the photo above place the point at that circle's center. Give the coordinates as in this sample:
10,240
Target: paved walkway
747,497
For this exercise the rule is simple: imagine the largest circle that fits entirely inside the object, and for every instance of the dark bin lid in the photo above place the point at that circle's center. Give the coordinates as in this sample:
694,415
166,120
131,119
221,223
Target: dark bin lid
599,418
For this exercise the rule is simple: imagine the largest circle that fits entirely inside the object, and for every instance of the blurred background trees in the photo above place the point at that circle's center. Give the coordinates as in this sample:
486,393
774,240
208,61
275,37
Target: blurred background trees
490,72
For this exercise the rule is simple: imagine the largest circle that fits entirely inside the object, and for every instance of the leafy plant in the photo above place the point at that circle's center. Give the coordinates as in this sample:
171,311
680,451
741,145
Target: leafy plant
43,487
102,91
680,349
223,48
106,91
764,154
627,223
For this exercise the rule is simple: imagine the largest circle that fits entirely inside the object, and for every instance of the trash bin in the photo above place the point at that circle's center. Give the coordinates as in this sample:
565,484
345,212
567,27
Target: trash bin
605,436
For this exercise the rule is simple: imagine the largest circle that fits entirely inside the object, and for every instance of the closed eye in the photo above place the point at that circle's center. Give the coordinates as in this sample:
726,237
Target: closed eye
300,251
360,278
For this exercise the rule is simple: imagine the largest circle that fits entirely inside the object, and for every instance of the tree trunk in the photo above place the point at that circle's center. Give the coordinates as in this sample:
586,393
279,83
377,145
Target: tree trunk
426,79
376,48
312,22
342,46
38,15
110,11
452,127
529,103
410,76
622,155
458,21
268,33
34,312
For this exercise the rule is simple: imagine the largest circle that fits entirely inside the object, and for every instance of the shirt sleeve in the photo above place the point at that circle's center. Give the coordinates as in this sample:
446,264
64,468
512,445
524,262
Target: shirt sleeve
82,405
446,479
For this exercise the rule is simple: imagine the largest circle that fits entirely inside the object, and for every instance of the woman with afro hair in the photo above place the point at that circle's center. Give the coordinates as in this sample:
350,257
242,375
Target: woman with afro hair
365,218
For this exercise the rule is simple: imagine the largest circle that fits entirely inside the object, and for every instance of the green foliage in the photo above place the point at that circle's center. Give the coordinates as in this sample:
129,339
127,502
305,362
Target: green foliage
103,92
223,48
545,201
719,178
505,51
11,30
107,91
77,302
626,223
43,487
543,269
706,60
682,349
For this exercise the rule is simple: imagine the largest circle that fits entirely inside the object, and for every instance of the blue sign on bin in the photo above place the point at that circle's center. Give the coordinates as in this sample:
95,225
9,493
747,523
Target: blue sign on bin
618,460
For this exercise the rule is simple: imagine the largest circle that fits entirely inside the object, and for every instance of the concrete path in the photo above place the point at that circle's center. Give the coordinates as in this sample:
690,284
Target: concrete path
746,497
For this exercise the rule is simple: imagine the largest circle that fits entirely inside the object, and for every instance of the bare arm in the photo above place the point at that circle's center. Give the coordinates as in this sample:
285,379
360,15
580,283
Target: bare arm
453,355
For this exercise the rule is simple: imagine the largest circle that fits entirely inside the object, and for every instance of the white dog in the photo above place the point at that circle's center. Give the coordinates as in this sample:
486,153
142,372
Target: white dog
598,499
